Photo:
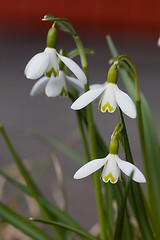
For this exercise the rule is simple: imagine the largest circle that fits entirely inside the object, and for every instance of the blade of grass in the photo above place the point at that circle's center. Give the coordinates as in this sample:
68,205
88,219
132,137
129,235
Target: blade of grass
73,229
22,187
22,224
55,212
28,179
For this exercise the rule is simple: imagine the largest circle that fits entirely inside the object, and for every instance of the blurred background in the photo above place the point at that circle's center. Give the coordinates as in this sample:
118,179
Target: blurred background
134,27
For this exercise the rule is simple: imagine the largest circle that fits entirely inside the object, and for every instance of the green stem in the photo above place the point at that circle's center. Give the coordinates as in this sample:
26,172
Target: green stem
30,183
121,212
84,140
136,193
73,96
82,54
92,139
129,61
125,58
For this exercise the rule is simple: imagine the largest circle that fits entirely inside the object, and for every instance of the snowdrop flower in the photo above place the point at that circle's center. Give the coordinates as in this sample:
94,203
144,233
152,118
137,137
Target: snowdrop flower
55,86
113,166
110,96
111,171
46,62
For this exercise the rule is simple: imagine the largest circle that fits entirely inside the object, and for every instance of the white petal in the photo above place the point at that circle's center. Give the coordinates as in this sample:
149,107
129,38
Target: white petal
39,87
53,61
125,103
127,168
37,66
108,101
96,85
75,83
111,171
54,86
89,168
87,98
64,85
74,68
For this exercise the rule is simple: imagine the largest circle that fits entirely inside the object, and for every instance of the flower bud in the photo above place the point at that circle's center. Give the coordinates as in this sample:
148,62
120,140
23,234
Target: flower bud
113,74
52,38
114,145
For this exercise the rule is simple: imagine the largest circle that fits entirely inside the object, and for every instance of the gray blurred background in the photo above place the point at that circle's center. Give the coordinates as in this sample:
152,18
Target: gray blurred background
20,113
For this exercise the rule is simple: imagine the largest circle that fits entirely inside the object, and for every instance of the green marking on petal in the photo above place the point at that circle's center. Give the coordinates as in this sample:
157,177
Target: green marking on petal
63,93
112,179
107,105
48,74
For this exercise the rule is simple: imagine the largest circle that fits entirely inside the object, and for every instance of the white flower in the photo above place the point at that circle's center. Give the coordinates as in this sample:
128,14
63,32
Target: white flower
47,63
54,86
110,97
111,171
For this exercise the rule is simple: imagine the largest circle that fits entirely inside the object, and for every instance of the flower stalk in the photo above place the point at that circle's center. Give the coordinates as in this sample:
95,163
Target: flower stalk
132,65
92,139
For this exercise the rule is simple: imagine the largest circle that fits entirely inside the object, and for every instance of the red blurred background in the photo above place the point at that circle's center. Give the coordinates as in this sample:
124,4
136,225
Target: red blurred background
137,15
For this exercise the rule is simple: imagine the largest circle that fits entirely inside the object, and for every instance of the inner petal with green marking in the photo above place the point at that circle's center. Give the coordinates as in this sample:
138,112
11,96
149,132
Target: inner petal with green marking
109,177
64,92
49,73
107,105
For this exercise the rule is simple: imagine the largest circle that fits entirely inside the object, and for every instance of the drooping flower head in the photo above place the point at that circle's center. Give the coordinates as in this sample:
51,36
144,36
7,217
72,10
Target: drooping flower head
46,62
56,86
110,96
112,166
50,63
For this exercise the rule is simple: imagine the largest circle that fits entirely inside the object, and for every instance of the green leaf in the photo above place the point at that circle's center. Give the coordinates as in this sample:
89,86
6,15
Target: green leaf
47,208
60,146
121,212
28,179
22,224
21,187
152,164
137,198
55,212
65,226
